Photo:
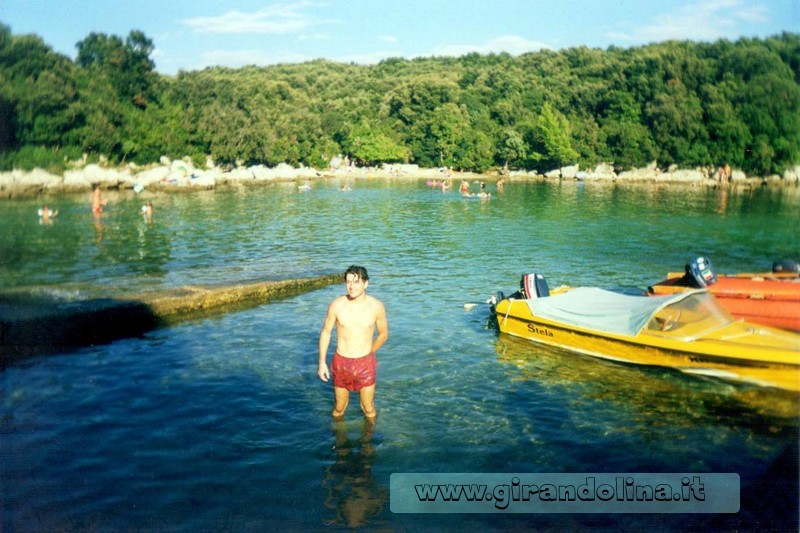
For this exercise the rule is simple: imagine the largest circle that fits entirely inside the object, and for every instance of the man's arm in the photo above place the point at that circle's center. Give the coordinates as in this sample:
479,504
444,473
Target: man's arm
324,342
383,327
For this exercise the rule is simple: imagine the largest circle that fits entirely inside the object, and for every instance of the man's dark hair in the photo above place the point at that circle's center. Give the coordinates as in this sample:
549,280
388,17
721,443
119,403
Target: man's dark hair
359,271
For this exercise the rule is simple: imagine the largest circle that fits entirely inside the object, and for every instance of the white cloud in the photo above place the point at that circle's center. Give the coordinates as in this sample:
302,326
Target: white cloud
388,38
275,19
314,37
704,20
508,43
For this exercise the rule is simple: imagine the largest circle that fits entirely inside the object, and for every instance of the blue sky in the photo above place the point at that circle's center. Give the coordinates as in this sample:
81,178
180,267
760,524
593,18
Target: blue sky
194,34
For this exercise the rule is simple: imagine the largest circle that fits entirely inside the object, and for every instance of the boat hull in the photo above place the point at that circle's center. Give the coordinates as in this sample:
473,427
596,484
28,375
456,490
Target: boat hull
775,364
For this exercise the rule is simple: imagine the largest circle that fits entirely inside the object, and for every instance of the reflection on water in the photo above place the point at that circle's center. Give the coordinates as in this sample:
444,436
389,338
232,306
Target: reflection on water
656,393
723,201
688,423
354,496
98,228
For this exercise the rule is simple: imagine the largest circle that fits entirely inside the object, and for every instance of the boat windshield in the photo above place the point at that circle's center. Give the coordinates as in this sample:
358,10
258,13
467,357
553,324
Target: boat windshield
693,316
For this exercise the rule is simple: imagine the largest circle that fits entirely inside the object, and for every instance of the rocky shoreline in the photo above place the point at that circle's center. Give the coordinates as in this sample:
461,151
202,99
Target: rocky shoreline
181,175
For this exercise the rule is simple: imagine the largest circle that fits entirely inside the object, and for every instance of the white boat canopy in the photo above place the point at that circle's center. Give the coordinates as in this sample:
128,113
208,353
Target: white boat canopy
603,310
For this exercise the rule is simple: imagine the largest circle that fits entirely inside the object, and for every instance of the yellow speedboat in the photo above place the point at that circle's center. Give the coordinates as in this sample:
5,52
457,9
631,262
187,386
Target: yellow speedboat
689,331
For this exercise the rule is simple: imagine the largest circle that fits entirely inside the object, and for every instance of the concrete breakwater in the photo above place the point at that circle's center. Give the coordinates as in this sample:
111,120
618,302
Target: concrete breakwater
181,175
36,321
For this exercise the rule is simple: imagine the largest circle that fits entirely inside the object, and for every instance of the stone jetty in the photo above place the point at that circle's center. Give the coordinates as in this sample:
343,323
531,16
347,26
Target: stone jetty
35,321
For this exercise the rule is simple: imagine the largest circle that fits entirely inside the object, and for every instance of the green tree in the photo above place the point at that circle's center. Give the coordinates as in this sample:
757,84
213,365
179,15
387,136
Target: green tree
126,63
551,146
475,152
446,128
675,118
512,148
729,135
37,92
627,144
8,118
370,146
418,98
770,106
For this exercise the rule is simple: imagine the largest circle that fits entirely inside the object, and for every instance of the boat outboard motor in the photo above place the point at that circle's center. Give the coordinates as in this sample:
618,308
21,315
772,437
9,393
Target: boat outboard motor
700,273
534,286
786,265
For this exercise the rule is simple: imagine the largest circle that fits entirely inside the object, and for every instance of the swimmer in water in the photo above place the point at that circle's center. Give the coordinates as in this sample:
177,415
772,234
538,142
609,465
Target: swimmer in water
147,210
47,214
97,201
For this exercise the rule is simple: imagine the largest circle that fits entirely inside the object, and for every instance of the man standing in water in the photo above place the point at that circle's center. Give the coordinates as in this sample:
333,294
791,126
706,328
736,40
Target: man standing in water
356,316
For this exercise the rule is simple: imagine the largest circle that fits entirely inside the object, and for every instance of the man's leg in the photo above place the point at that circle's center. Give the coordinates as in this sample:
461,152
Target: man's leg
367,396
341,397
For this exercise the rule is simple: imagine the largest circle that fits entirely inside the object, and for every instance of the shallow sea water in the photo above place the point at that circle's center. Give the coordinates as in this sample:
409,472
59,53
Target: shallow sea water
220,423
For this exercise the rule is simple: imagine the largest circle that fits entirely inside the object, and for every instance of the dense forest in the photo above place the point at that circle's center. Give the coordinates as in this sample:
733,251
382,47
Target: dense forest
676,102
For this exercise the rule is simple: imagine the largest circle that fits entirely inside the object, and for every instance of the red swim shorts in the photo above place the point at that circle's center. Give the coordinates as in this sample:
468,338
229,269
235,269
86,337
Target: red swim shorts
354,374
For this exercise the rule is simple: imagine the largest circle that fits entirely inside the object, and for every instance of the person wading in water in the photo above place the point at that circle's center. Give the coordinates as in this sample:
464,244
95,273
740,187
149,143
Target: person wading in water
356,316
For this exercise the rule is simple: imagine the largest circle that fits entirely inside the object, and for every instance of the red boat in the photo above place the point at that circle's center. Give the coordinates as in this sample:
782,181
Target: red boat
771,298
